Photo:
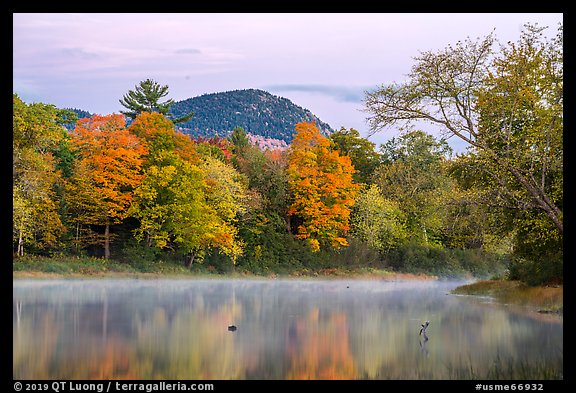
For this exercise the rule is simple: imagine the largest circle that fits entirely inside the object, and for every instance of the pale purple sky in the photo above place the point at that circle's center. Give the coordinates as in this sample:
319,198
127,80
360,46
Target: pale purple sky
321,61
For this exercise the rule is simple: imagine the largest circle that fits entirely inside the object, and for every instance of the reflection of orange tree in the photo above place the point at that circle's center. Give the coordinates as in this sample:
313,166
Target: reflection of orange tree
319,349
111,358
114,362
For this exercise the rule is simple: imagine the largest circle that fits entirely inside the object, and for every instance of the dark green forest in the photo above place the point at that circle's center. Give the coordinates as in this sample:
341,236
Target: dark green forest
256,111
148,191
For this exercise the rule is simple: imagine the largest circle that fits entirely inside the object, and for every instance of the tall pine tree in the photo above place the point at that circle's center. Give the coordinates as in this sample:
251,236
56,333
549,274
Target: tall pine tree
146,98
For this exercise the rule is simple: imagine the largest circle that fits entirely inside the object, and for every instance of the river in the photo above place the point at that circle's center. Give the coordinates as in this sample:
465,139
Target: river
181,329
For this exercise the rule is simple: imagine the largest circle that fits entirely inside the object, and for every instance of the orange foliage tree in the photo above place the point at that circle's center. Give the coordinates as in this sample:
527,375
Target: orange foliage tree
323,191
108,169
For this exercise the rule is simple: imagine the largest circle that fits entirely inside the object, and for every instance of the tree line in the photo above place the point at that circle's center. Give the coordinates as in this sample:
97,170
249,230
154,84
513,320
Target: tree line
145,190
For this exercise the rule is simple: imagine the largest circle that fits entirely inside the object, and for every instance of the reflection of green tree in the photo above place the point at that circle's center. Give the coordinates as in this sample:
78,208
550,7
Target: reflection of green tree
195,344
32,353
454,353
40,347
465,342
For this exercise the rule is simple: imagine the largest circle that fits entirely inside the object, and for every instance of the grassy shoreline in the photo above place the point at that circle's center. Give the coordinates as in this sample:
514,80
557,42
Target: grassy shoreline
73,267
544,299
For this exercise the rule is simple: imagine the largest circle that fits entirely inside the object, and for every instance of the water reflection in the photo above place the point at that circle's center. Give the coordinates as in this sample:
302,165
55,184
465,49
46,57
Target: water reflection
178,329
424,344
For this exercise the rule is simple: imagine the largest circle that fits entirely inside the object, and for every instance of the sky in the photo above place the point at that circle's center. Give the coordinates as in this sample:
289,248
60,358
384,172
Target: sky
324,62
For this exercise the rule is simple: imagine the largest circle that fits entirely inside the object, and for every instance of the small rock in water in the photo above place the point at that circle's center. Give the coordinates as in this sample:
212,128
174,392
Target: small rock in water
232,328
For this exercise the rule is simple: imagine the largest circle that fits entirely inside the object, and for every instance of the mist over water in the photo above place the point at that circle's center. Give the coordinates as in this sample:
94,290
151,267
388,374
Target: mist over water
286,329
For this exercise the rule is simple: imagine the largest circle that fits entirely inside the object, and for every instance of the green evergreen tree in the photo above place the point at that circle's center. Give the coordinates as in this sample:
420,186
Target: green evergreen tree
239,138
146,98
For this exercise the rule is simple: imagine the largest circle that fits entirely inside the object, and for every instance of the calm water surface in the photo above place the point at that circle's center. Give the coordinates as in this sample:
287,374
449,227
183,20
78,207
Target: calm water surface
286,329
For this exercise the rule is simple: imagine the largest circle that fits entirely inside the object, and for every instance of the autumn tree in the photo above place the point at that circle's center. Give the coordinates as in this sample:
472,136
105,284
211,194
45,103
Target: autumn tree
186,201
322,187
413,176
108,170
265,225
377,221
521,117
37,134
190,207
475,217
361,151
265,171
157,133
170,204
507,106
146,97
226,195
217,147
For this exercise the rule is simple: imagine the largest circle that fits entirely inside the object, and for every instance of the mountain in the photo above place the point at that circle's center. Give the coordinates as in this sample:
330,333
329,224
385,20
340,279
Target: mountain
269,120
256,111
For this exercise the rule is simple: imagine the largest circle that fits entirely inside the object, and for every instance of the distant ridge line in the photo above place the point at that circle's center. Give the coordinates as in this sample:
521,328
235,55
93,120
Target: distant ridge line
269,118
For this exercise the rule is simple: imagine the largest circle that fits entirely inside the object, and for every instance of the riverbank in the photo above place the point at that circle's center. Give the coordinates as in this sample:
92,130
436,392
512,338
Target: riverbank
545,299
73,267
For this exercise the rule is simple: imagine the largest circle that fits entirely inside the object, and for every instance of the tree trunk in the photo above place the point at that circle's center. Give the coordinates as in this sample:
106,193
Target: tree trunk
77,236
288,226
20,250
189,261
107,241
539,196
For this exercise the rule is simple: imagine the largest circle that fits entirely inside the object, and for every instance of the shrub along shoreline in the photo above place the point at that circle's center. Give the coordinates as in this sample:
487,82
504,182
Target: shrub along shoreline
295,259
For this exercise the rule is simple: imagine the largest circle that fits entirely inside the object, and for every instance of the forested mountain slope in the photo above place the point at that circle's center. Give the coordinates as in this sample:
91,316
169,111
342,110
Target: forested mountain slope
256,111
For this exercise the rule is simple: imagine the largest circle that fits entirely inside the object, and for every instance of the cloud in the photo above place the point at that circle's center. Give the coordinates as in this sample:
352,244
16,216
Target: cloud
188,51
78,53
340,93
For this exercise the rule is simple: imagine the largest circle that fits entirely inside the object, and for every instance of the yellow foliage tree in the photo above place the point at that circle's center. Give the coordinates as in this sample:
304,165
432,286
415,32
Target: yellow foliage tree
36,135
